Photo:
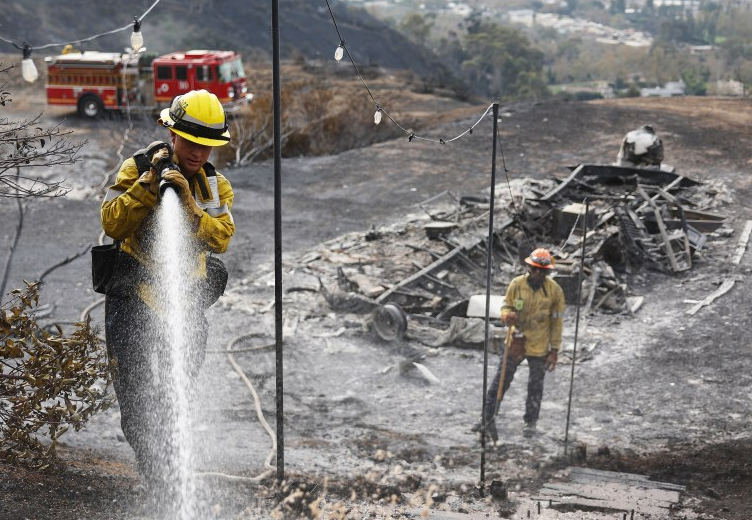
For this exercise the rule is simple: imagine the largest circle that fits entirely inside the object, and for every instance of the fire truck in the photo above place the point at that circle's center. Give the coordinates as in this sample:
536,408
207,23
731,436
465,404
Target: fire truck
94,82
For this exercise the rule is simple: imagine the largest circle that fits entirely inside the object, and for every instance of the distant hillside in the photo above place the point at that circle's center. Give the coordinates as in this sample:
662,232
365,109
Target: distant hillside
306,29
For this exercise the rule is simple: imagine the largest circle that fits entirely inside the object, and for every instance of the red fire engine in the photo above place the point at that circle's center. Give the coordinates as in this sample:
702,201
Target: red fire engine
94,81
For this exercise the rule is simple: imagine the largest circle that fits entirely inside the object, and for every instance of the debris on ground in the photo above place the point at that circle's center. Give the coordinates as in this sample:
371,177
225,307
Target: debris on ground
419,276
611,492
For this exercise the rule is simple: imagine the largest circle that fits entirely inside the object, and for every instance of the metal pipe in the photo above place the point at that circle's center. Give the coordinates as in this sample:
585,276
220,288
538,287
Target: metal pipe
277,97
577,320
489,274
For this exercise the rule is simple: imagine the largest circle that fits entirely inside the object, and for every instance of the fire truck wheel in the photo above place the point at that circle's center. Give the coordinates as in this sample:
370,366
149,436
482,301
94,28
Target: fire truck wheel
90,106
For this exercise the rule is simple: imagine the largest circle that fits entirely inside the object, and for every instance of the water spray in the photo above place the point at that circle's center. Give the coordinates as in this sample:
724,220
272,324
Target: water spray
178,491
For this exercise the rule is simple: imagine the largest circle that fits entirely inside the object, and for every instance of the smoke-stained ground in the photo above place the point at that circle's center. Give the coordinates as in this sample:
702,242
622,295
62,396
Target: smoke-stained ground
664,394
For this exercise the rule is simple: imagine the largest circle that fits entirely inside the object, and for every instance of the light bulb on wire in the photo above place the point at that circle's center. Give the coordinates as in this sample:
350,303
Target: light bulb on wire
28,69
340,52
137,38
377,115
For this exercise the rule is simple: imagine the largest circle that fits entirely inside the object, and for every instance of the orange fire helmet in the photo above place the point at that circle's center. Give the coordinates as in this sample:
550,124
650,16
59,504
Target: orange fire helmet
540,258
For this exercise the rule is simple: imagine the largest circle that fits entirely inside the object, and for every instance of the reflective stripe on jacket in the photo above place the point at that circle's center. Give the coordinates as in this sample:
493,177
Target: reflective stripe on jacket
541,316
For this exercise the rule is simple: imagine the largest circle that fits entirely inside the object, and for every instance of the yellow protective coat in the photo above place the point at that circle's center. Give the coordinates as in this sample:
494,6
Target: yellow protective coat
540,318
127,215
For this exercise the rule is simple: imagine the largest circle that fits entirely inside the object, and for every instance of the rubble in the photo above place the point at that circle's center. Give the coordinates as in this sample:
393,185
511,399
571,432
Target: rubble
417,277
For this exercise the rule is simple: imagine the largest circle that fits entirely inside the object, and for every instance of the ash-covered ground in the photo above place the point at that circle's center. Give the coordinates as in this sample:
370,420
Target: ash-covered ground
662,393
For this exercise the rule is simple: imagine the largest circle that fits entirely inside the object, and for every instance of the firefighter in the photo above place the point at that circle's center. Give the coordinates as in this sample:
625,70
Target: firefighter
135,318
533,309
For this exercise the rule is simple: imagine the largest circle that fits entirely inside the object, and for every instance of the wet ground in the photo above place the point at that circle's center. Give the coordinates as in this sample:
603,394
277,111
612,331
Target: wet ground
664,393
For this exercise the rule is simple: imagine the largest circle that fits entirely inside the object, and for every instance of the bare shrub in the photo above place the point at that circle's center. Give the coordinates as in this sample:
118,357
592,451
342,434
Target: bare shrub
25,144
49,382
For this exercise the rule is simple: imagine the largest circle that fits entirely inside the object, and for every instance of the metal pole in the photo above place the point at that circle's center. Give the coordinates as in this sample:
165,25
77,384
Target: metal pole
577,321
489,274
278,241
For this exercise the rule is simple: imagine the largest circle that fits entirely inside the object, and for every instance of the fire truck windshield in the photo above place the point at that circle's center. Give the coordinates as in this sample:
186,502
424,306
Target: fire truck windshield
231,70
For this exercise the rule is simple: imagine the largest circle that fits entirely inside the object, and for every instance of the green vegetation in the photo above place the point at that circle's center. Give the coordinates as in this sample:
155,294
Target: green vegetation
498,61
513,63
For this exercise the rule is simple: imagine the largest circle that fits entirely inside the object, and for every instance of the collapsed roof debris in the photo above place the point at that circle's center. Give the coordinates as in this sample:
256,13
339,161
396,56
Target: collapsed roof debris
430,265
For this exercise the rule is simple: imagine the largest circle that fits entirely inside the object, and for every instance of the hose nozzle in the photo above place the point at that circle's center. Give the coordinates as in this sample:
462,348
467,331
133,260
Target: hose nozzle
165,184
159,154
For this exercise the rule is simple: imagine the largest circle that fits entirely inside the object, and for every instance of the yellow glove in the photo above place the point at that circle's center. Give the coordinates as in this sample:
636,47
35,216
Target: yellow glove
150,180
184,192
161,154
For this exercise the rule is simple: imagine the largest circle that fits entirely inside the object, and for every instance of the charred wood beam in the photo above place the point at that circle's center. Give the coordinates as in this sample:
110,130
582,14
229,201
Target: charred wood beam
410,301
667,240
741,246
608,282
725,287
661,192
439,263
431,252
609,174
438,281
551,195
468,269
592,190
463,256
581,195
422,205
510,258
611,291
594,280
638,241
602,220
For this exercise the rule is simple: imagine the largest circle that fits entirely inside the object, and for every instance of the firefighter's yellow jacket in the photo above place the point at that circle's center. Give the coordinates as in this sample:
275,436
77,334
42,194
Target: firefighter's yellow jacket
128,213
539,314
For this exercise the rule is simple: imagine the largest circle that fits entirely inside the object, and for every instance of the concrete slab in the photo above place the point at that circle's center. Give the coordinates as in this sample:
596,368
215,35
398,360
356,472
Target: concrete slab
608,491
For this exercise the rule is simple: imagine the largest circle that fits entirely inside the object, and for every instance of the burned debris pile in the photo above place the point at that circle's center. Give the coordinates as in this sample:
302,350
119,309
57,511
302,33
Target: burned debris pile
607,222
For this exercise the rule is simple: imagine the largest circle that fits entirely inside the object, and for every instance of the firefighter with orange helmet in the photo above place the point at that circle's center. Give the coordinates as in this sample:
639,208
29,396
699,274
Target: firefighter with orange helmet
136,316
533,310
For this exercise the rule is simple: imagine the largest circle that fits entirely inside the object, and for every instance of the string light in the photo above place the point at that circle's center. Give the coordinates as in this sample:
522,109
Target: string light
380,112
137,37
340,52
28,69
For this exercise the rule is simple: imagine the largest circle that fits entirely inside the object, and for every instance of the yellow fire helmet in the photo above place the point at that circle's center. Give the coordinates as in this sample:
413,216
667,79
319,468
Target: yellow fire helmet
197,116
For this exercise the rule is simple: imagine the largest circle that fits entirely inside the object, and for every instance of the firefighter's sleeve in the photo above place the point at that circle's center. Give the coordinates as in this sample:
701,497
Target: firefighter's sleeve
216,226
557,318
126,203
508,300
